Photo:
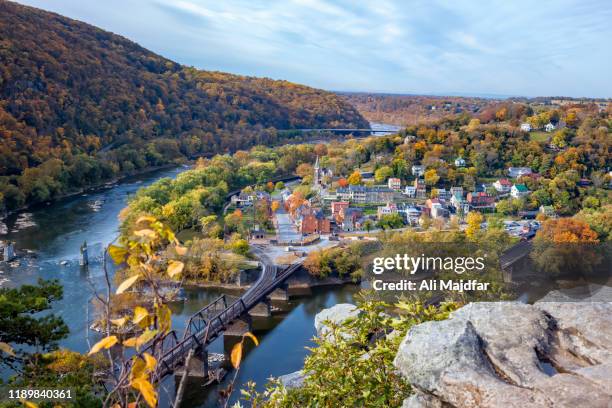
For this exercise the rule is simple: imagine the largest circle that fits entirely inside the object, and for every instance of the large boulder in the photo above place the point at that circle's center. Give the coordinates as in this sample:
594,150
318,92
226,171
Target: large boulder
336,314
509,354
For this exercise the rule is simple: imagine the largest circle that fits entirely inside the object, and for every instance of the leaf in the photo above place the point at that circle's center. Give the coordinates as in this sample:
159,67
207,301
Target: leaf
120,321
126,284
180,250
150,361
145,337
105,343
117,253
174,268
138,368
131,342
236,355
164,318
7,348
140,313
146,233
29,404
146,389
252,337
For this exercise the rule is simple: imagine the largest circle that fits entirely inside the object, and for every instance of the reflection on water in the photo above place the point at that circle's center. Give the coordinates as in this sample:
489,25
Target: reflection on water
48,239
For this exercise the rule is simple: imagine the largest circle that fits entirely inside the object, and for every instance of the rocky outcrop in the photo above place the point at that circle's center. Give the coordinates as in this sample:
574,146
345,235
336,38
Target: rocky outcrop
336,314
508,354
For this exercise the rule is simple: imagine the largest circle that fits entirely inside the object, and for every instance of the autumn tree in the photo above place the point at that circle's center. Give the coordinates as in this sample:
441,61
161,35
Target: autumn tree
354,178
474,221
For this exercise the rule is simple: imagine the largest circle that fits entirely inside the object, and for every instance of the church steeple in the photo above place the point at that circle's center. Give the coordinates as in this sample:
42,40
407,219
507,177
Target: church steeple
317,173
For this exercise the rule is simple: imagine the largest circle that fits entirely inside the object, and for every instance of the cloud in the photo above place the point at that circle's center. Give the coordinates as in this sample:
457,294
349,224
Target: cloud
498,47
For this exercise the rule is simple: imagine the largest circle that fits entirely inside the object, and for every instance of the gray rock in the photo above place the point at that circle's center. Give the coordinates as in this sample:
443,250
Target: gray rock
293,380
508,354
336,314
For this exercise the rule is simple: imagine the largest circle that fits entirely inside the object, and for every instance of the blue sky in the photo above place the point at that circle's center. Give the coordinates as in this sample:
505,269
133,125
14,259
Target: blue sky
531,48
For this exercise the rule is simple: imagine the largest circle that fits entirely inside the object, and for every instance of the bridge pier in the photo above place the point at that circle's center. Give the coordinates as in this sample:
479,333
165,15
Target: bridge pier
281,293
262,309
197,366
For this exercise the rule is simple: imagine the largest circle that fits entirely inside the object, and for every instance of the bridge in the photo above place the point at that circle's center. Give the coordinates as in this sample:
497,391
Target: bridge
210,322
341,130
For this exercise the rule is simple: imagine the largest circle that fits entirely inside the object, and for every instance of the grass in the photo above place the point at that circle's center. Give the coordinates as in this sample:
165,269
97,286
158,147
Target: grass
539,136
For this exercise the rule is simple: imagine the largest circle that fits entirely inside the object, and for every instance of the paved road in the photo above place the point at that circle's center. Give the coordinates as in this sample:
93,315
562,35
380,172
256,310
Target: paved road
286,229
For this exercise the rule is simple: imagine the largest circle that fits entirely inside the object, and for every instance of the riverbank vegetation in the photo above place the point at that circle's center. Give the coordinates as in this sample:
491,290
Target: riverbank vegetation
81,105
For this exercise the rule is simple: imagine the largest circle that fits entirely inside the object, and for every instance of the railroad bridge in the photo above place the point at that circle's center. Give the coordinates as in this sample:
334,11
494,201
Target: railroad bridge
214,319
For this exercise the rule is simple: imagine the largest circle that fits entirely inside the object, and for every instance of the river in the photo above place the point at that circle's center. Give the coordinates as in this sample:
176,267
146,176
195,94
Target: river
49,237
52,235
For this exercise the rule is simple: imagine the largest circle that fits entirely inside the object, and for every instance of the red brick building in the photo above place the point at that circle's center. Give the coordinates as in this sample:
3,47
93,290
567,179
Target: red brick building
337,210
313,221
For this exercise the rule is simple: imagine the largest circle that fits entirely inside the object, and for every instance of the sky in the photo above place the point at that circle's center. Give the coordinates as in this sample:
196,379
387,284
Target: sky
454,47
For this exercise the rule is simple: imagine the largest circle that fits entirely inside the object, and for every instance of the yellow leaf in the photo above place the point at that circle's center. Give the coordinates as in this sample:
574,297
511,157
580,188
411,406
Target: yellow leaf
252,337
146,233
117,253
180,250
126,284
138,368
236,355
145,337
164,318
131,342
120,321
146,389
29,404
140,313
105,343
174,268
7,348
150,361
145,218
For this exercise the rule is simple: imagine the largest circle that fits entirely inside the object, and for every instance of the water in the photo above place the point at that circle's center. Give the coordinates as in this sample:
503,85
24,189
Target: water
52,236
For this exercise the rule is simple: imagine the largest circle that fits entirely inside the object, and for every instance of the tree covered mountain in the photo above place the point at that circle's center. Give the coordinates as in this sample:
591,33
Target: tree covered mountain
79,105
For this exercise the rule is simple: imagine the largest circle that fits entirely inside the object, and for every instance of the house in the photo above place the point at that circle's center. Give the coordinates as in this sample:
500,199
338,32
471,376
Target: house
436,208
418,170
410,191
337,208
312,221
456,190
519,190
410,213
366,195
480,201
443,194
459,203
246,199
503,186
548,210
388,209
350,218
549,127
460,162
515,172
394,183
525,127
421,191
257,233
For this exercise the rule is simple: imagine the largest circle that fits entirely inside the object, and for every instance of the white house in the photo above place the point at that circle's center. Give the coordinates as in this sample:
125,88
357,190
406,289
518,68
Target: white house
443,194
388,209
418,170
526,127
410,191
394,183
503,186
460,162
515,172
519,190
549,127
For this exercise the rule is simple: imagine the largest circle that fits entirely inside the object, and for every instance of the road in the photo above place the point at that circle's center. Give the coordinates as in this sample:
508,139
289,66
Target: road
285,228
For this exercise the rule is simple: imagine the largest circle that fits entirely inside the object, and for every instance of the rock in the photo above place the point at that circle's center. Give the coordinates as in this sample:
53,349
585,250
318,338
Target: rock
293,380
508,354
336,314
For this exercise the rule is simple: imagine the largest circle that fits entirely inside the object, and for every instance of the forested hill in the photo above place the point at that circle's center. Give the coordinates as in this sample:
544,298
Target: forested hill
79,105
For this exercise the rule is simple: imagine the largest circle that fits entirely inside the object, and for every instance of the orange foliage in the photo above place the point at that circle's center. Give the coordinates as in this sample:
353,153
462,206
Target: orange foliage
567,230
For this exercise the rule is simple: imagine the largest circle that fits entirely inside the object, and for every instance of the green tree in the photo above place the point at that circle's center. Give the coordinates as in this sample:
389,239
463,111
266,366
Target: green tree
383,173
